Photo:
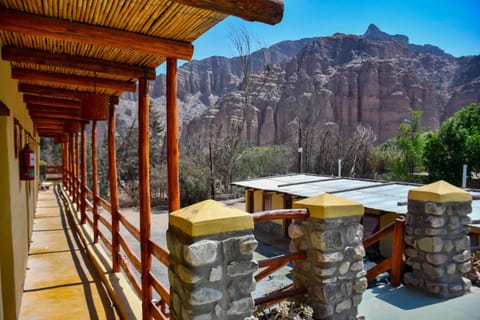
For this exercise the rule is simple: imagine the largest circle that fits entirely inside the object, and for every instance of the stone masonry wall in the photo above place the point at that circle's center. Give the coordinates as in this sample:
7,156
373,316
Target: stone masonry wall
438,247
333,271
211,277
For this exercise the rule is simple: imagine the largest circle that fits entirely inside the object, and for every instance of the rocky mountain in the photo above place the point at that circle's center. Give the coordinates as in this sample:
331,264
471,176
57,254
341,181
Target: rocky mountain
374,79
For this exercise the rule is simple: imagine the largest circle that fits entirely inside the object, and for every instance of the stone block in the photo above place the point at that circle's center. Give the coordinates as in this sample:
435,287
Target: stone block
360,285
235,269
325,272
343,306
205,316
246,286
322,311
241,307
462,257
296,231
344,267
409,240
356,299
354,234
462,244
434,208
451,268
332,292
357,266
435,232
436,258
447,246
357,252
216,274
327,240
411,279
204,296
465,267
435,222
411,252
187,276
433,272
462,208
201,253
330,257
430,244
465,220
437,288
467,284
248,244
454,222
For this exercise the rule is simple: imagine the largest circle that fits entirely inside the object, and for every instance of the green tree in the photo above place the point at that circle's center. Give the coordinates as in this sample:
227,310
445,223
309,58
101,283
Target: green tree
455,144
402,156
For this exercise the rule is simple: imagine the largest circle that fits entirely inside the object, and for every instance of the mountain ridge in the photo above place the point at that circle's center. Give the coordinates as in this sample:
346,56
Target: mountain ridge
374,79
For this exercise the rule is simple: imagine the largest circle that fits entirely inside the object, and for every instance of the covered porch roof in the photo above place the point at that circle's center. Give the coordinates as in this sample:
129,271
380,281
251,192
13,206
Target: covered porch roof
61,49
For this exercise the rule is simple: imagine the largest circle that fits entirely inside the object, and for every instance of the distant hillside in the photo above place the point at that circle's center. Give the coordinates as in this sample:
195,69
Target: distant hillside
374,79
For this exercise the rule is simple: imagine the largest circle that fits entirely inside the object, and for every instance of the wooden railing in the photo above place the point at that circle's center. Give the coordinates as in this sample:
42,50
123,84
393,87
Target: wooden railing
394,263
129,260
273,264
54,173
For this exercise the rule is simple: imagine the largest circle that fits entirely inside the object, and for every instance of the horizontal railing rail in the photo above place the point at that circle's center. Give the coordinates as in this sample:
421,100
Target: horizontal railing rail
129,260
273,264
394,263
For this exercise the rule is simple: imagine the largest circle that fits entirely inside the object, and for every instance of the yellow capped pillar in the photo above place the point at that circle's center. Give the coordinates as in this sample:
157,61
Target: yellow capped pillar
211,256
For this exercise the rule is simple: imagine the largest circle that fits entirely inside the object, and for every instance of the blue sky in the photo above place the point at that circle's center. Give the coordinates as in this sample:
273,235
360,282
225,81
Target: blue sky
453,25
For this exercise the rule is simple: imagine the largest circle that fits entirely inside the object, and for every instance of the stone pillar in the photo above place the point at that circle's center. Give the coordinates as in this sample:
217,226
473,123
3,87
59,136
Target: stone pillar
437,245
333,271
211,262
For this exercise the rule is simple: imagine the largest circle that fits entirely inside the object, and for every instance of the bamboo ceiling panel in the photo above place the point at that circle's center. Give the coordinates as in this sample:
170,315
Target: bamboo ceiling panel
118,41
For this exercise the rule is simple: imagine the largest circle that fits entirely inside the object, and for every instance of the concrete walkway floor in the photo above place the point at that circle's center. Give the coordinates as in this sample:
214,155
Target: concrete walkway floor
60,281
388,302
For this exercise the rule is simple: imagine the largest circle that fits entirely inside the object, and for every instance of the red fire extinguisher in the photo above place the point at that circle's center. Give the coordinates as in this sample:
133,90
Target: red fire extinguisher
27,163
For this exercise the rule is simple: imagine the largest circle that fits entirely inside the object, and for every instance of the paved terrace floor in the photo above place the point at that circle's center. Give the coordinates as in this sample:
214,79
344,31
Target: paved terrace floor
60,281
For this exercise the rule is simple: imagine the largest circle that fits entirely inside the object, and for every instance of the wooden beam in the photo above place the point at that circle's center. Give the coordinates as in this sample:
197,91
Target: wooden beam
83,175
112,165
77,81
4,111
19,22
46,108
50,91
94,182
37,116
21,55
144,194
172,137
267,11
45,101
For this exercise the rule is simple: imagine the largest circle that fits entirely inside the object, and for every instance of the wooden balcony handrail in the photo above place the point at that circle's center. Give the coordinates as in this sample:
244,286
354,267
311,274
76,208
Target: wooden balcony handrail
105,204
280,214
129,252
160,288
105,222
129,226
279,296
160,253
131,276
275,263
377,236
395,262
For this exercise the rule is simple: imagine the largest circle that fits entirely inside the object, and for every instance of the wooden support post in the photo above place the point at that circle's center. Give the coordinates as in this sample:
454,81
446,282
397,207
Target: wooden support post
95,181
77,170
144,199
112,164
65,164
172,137
74,178
397,251
83,176
70,164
